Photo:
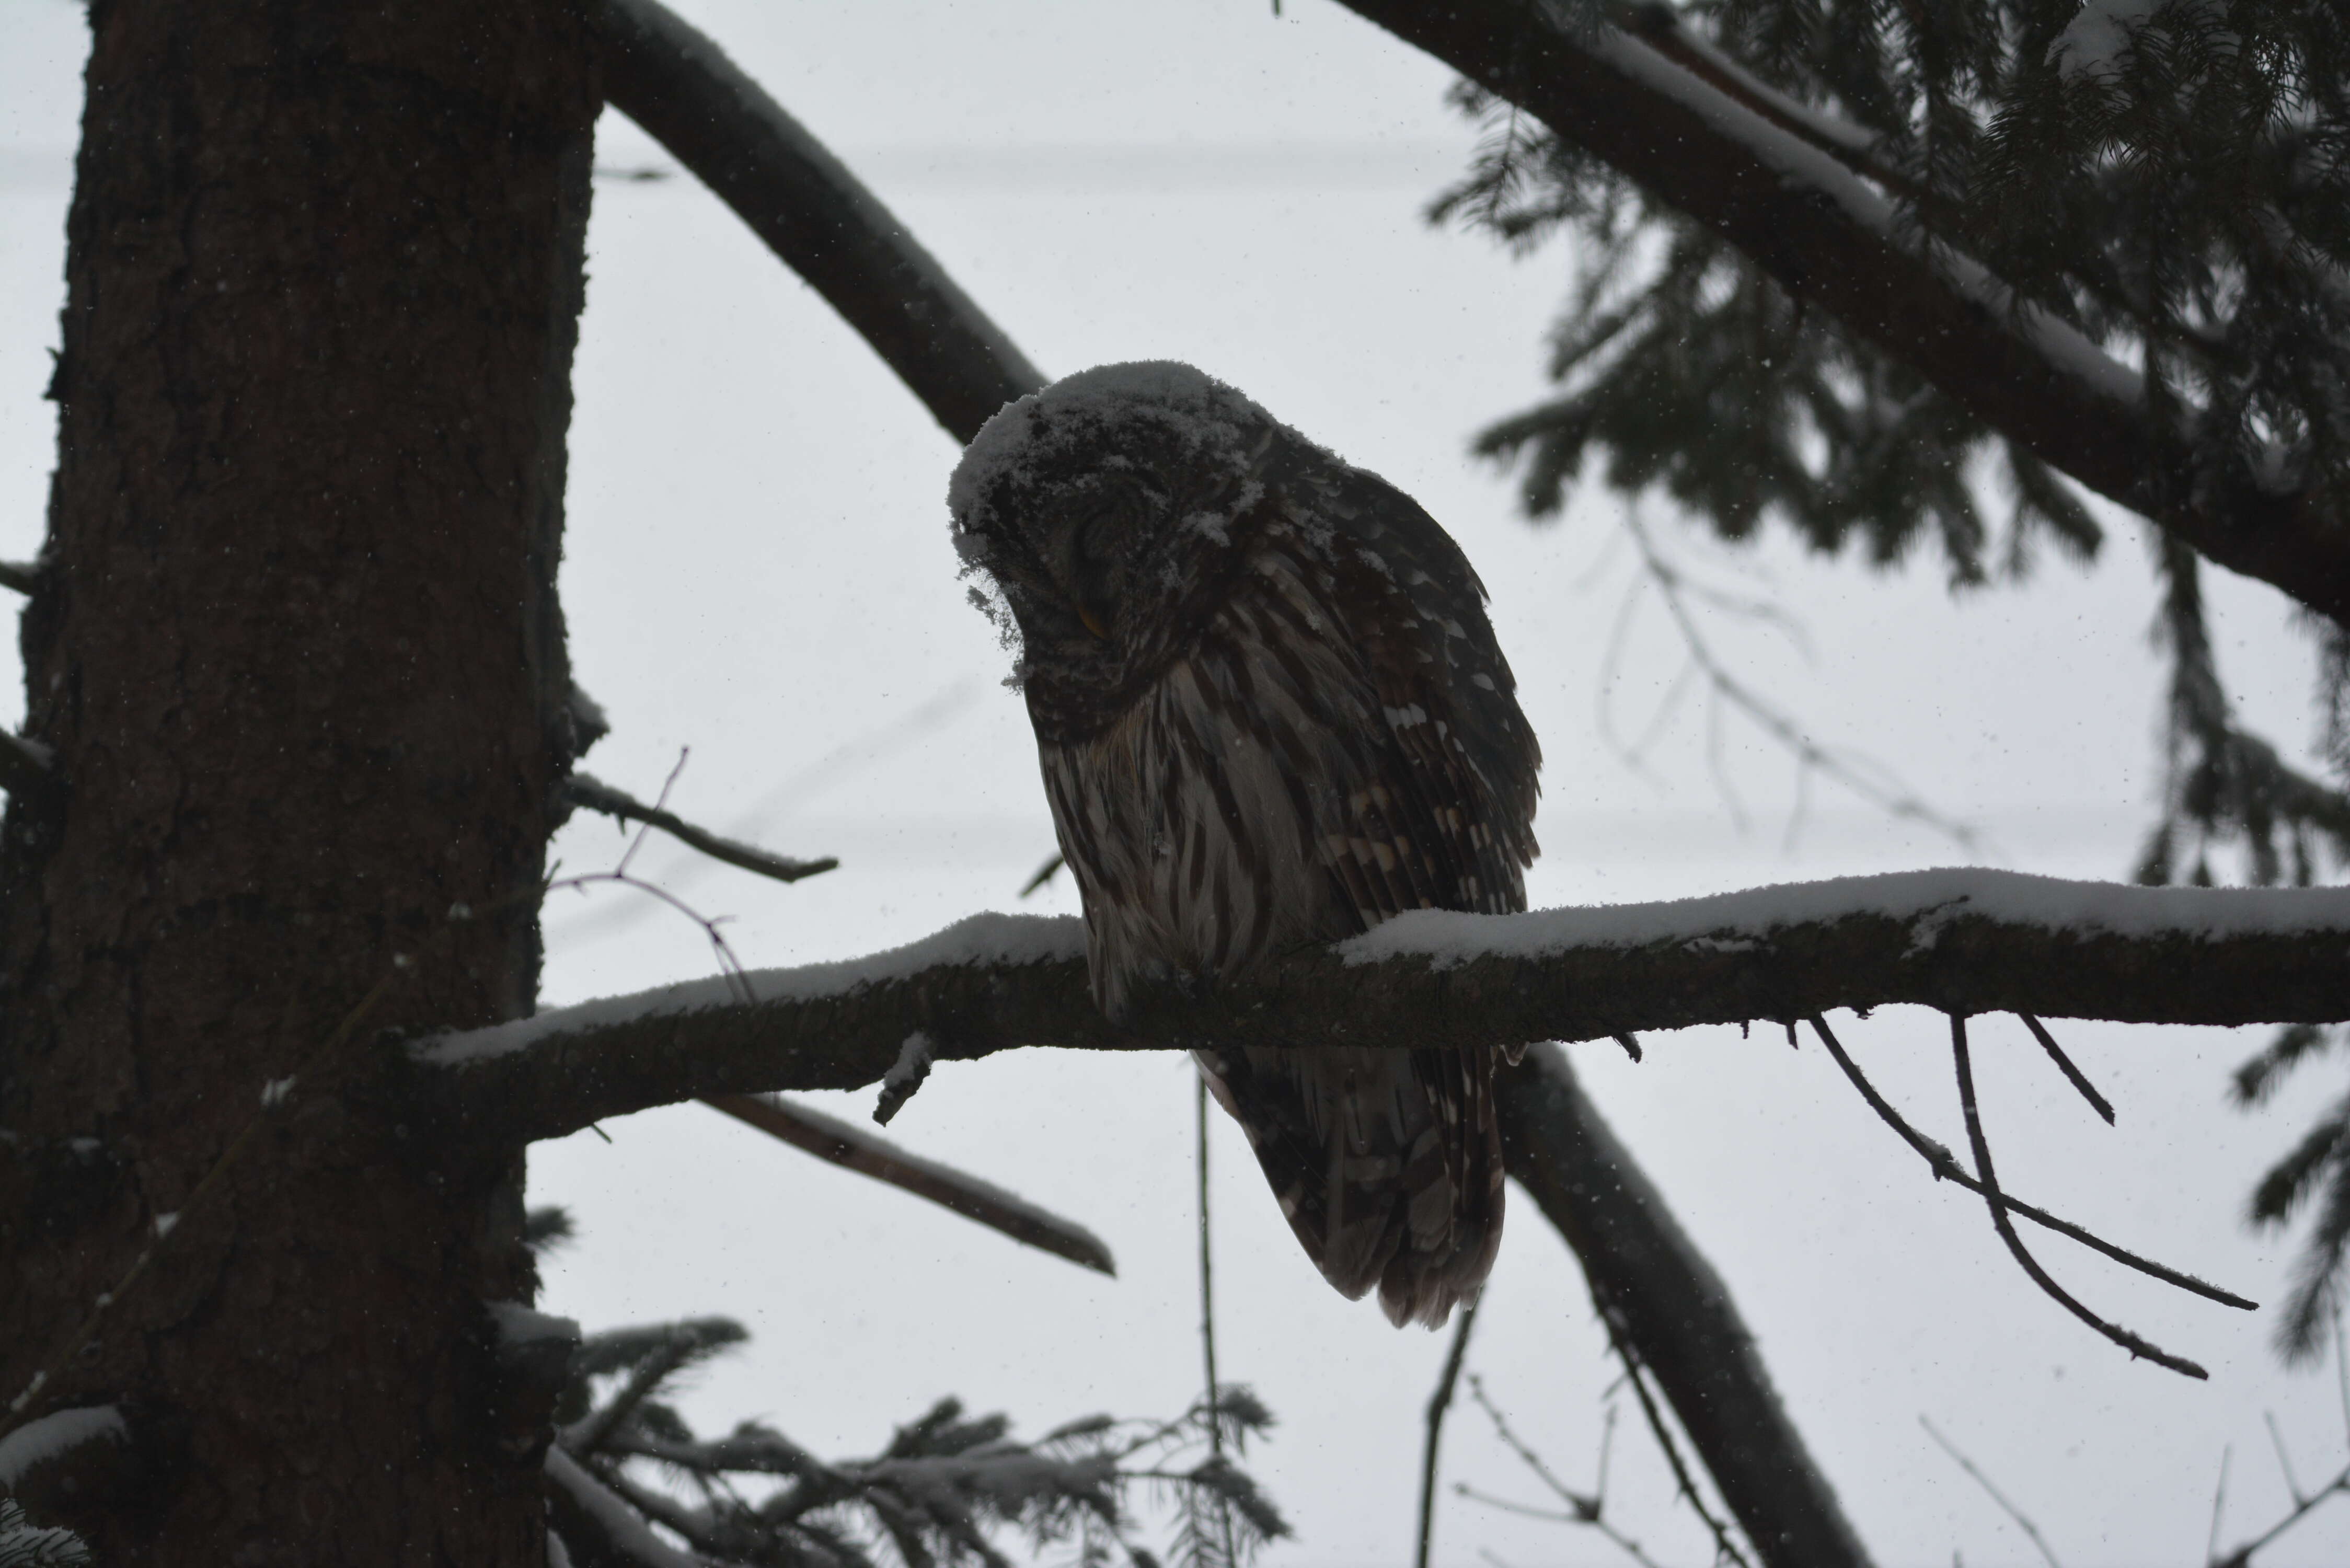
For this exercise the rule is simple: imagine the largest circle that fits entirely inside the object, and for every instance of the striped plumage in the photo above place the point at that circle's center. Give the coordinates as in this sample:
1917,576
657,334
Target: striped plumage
1271,713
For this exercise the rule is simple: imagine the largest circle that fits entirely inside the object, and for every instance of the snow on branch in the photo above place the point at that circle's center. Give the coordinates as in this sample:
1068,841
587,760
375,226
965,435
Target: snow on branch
1783,196
1965,941
812,212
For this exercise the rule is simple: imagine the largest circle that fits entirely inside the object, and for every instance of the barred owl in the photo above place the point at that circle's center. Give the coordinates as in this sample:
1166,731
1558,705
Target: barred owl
1271,713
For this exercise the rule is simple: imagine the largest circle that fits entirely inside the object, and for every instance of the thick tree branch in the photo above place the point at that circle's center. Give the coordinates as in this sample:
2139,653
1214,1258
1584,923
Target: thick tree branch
812,212
1830,238
1961,941
1666,1302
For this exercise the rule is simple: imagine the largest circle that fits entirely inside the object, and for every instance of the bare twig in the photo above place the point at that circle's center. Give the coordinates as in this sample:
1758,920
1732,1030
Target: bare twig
853,1149
2134,1344
1631,1043
1586,1508
2097,1102
2219,1501
1591,1510
2022,1520
594,794
1725,1545
1870,781
1207,1267
1438,1402
2284,1459
1947,1168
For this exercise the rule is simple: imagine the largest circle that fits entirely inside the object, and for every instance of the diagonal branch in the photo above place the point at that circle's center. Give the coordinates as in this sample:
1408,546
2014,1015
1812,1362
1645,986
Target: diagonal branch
1832,239
855,1149
1960,941
594,794
812,212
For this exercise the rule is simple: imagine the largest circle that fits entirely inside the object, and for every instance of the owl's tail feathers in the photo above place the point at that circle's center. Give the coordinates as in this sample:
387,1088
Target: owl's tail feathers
1387,1164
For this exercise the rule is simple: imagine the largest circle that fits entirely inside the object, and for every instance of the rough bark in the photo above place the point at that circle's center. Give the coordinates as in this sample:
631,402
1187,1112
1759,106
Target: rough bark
296,651
1963,941
1696,149
1664,1300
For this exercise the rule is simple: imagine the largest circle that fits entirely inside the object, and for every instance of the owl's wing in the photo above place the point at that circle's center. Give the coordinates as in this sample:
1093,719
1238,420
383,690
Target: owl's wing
1436,794
1418,790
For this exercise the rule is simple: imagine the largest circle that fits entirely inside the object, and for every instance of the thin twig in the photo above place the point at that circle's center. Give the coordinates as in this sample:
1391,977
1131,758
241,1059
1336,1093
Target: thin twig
2134,1344
1947,1168
2284,1460
1725,1545
2097,1102
1870,781
853,1149
1438,1402
1045,874
2241,1556
2219,1499
2022,1520
1207,1272
1584,1507
594,794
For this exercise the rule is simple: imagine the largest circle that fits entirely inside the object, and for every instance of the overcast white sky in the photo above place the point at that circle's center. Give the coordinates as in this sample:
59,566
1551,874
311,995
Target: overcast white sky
758,569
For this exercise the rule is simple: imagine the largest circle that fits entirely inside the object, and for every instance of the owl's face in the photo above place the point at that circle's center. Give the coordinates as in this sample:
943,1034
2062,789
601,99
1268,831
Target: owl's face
1107,512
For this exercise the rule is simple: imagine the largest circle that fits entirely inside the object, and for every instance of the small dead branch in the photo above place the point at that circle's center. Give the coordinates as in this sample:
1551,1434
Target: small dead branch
2097,1102
1946,1167
2022,1520
853,1149
2134,1344
21,575
1864,777
594,794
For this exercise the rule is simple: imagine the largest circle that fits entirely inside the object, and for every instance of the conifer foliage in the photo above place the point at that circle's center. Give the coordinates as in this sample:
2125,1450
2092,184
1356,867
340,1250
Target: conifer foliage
941,1494
2168,180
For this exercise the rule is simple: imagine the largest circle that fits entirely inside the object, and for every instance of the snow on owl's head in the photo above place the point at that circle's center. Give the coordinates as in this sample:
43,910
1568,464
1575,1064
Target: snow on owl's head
1090,506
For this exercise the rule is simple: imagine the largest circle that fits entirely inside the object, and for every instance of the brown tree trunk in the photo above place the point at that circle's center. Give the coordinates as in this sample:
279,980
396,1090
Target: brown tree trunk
296,650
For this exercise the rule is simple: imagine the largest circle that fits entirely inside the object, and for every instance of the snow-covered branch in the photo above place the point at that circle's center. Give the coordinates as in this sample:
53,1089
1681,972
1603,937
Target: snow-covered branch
1800,212
812,212
1966,941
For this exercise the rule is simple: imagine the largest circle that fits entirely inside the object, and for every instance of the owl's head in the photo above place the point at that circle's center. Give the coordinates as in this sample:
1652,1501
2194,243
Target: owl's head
1101,508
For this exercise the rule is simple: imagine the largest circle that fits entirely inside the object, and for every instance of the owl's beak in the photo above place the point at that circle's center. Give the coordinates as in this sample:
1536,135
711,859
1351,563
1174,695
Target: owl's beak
1093,623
